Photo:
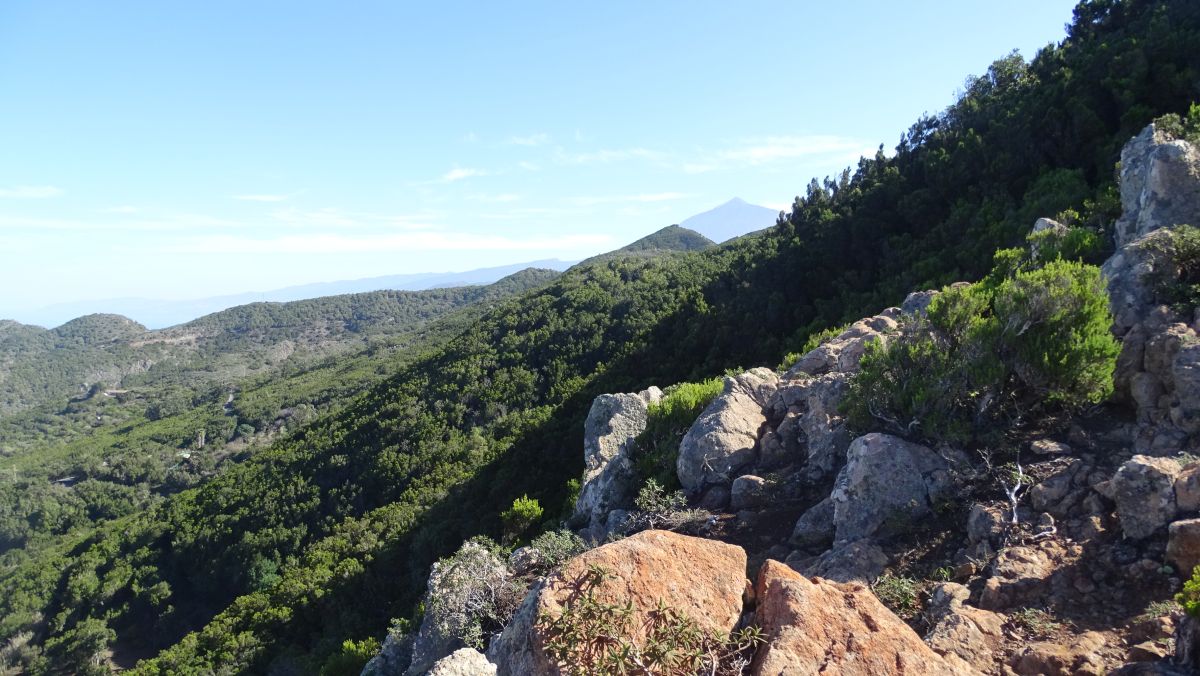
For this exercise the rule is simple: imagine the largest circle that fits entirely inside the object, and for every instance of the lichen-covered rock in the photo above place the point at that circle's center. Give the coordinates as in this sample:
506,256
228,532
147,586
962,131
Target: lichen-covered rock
886,479
613,423
917,302
703,579
1144,490
817,626
1160,184
1187,488
972,634
725,436
986,524
463,662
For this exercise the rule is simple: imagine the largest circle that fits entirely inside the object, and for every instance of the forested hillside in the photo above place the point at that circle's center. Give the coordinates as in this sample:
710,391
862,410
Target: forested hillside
328,535
89,355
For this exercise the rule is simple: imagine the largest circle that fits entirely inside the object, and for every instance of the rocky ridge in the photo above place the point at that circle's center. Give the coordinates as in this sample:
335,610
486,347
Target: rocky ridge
1063,574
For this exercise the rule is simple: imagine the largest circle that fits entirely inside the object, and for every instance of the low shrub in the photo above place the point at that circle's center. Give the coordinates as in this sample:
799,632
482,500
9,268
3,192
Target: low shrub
472,593
657,508
900,594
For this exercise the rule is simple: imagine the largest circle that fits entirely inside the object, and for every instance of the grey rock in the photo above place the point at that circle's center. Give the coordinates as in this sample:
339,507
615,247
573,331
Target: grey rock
858,561
917,302
985,524
843,352
463,662
725,436
1144,490
1185,373
1187,489
1159,185
748,492
885,478
715,499
393,657
812,423
613,423
815,527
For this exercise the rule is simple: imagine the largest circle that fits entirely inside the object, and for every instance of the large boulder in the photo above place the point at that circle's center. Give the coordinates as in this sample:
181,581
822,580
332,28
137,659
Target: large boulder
886,480
816,626
724,438
811,421
1144,490
815,526
393,658
702,579
1160,184
612,425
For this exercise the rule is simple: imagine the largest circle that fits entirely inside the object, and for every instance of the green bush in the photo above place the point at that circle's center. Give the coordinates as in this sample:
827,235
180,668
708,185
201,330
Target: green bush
353,656
1186,127
1026,339
657,448
524,513
1189,598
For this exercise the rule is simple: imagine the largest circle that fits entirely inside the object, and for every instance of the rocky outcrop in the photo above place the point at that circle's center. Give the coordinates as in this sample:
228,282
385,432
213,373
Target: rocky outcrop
815,527
817,626
1158,370
809,428
886,479
1183,545
843,352
702,579
393,658
612,425
1160,184
463,662
724,439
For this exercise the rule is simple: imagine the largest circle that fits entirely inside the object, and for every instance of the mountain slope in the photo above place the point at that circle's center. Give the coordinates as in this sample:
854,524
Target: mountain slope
40,366
329,535
671,239
731,219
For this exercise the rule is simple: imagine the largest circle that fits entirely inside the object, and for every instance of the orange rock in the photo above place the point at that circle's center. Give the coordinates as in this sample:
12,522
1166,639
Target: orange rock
703,579
814,626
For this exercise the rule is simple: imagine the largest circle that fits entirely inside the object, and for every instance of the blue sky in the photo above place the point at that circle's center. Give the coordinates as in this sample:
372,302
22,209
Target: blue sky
179,150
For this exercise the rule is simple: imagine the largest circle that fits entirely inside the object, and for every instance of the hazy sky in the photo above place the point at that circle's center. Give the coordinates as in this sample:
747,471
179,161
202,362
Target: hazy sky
175,150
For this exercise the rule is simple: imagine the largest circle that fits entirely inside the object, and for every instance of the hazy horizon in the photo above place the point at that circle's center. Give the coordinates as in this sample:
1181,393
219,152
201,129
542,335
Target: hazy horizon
198,151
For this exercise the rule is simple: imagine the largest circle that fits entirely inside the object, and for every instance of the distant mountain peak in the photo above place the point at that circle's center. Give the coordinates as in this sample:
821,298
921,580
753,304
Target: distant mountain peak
734,218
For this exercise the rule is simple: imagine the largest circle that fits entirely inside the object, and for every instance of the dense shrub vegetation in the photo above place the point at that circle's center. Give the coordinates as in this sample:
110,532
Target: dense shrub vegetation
277,561
667,422
1032,338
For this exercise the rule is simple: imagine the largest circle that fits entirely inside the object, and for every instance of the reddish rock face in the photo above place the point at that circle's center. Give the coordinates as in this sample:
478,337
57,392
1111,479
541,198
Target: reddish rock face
816,626
702,579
